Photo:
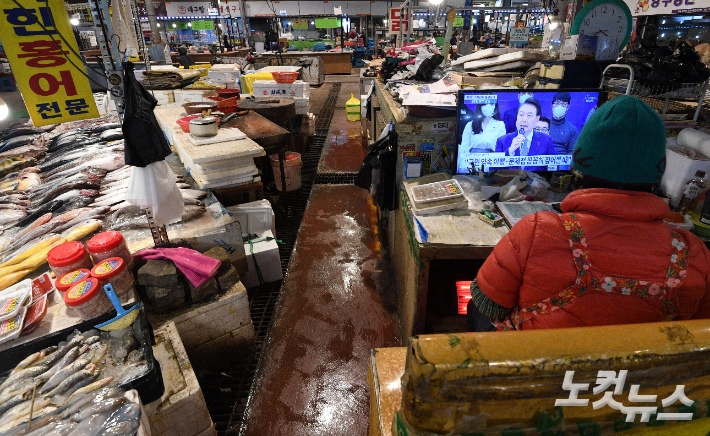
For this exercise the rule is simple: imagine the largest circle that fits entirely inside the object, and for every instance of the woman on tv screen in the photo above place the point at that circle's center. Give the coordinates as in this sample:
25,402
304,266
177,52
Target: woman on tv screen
481,133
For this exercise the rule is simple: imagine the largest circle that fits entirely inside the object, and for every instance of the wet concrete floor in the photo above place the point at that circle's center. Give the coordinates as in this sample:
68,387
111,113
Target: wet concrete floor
335,306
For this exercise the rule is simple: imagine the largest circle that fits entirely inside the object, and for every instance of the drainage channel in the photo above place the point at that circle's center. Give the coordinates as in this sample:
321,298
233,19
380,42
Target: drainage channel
227,390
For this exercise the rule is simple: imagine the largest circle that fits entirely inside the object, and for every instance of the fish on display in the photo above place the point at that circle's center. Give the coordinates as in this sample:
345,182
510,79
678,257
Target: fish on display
45,208
79,398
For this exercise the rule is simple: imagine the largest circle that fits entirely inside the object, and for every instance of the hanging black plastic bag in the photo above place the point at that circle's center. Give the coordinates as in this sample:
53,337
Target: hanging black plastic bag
145,141
152,183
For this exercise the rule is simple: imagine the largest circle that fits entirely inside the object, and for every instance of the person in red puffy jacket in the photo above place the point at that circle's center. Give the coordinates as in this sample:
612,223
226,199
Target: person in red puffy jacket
608,258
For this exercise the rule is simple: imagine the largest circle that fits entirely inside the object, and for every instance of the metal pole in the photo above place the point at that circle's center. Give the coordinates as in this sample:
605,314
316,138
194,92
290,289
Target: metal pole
243,13
155,33
450,17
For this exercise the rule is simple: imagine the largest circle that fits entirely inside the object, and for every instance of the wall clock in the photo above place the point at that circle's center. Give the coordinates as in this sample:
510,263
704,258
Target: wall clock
604,18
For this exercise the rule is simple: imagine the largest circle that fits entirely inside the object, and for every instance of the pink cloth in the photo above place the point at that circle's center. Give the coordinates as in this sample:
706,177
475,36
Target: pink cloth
197,267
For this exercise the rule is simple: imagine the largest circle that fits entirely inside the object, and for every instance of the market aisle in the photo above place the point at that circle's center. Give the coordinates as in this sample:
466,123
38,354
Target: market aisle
344,151
335,305
330,314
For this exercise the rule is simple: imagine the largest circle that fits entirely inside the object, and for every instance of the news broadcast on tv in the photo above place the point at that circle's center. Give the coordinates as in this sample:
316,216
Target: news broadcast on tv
532,130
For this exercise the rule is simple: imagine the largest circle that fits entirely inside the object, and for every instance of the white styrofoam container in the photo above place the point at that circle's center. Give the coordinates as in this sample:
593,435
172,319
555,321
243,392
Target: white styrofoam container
254,217
182,410
301,106
209,328
267,255
679,170
223,76
269,88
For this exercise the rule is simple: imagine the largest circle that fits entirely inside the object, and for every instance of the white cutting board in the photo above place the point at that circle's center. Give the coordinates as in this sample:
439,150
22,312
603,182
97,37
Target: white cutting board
504,59
482,54
223,135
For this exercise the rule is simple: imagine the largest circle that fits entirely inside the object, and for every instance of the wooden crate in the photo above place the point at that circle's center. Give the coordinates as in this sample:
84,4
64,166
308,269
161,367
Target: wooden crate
212,330
182,410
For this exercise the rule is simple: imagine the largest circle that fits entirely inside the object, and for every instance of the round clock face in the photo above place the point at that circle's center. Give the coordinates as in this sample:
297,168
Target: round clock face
604,18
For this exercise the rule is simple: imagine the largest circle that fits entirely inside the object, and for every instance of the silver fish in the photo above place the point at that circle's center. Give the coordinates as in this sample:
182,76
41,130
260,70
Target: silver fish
108,405
68,358
122,428
27,361
73,379
30,372
54,357
62,374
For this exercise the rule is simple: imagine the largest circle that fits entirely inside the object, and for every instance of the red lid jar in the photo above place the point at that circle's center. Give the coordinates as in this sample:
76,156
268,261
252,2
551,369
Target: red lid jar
109,244
65,282
88,299
113,271
67,257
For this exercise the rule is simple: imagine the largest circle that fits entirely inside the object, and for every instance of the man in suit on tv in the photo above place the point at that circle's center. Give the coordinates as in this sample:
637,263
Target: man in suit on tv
526,141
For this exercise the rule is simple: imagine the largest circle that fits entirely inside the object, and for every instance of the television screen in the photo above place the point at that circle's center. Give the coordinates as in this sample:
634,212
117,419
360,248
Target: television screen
532,129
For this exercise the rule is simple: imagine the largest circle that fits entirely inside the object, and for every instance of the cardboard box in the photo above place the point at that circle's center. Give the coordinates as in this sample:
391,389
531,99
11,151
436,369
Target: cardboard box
182,410
579,47
269,88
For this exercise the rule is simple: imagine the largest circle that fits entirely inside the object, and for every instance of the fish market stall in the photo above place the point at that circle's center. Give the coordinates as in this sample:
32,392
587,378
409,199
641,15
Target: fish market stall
224,160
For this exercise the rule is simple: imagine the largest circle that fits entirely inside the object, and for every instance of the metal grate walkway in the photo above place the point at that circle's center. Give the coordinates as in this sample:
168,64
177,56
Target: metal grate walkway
226,391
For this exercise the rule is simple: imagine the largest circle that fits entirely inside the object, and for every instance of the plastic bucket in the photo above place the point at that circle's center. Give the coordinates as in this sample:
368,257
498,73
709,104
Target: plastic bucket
292,170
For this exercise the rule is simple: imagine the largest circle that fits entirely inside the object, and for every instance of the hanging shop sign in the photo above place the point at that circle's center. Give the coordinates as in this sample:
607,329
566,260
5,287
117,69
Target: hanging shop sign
229,8
667,7
327,23
395,21
300,24
187,9
519,33
54,90
458,22
202,25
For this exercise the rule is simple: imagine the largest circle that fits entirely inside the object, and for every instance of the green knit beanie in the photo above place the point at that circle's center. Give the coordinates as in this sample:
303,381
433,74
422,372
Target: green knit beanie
623,142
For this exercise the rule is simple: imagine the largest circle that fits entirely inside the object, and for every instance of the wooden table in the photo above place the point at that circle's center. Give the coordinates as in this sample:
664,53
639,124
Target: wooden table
333,62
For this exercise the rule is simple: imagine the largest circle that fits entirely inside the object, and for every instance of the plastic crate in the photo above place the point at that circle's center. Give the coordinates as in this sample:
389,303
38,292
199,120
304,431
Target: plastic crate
150,385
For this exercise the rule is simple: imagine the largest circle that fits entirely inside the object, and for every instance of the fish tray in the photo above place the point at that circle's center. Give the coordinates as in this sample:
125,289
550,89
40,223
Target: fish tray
150,385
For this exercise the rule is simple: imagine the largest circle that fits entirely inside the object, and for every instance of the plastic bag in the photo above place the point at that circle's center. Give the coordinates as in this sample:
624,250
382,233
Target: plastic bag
155,186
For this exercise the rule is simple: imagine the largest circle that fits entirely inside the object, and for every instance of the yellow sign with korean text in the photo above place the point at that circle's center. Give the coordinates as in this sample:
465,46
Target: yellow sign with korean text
40,45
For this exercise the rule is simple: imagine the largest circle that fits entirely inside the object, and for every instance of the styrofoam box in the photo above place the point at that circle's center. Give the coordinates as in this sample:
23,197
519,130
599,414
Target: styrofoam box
209,328
182,410
254,217
269,88
223,76
301,106
267,254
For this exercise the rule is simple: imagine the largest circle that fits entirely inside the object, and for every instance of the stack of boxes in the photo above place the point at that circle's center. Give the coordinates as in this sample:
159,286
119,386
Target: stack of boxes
299,90
224,74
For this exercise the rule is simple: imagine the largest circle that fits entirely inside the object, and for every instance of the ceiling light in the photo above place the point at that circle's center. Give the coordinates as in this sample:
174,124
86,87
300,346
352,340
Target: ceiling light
74,21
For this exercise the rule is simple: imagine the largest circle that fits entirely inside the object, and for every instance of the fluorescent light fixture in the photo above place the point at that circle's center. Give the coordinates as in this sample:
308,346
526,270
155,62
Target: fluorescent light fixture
74,21
435,2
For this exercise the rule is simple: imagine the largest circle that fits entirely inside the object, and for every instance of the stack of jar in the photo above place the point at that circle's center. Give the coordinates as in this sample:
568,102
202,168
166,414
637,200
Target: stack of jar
81,281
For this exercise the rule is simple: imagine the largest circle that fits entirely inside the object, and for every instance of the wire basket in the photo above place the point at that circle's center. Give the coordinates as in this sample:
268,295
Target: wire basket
664,98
